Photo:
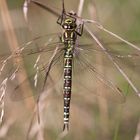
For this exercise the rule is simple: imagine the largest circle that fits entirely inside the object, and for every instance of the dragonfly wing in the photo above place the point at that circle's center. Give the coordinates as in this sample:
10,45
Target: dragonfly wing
33,55
91,77
128,62
124,58
27,52
43,77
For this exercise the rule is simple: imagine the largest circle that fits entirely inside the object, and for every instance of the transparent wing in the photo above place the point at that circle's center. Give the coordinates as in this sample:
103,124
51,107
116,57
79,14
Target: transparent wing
96,74
34,56
36,45
43,78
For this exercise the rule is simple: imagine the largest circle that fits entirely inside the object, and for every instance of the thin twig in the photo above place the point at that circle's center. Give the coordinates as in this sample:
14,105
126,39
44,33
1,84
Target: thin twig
80,8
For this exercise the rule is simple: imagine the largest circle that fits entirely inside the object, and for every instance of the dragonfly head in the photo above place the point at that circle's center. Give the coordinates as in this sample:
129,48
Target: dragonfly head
69,24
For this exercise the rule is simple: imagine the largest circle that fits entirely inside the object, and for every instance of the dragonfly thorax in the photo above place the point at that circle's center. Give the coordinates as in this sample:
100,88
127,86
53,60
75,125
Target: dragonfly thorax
69,37
69,26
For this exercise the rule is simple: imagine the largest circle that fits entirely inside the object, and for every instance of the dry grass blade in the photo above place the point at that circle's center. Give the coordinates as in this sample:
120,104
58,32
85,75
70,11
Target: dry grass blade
13,44
103,105
4,129
3,87
80,8
48,67
112,60
50,64
101,27
38,110
45,7
93,11
35,128
137,136
25,10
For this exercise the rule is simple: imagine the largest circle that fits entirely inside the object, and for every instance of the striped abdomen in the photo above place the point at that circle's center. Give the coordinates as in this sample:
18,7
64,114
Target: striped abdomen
67,82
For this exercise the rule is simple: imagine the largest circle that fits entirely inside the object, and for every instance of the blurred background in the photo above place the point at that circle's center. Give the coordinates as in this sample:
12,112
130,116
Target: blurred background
92,117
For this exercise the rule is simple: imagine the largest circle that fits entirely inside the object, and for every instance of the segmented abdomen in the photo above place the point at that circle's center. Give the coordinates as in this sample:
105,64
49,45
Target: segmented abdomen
67,83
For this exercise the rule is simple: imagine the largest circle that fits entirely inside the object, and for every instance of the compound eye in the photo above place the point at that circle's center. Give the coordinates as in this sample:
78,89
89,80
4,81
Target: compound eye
71,27
65,26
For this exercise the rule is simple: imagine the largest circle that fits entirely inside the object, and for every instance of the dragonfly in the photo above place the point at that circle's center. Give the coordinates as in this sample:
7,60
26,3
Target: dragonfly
62,59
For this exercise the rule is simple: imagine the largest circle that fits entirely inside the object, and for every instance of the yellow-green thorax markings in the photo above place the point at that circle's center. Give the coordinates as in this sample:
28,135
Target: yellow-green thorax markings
69,36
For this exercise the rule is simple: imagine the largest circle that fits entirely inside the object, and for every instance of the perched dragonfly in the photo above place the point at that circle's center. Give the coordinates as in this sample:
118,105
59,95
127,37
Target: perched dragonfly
63,56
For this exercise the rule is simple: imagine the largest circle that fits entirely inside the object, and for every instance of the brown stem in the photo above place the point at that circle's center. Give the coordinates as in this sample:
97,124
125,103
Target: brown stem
13,45
103,106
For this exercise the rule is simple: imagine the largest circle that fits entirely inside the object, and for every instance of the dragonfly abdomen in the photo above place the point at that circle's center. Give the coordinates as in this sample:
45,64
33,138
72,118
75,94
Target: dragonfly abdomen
67,82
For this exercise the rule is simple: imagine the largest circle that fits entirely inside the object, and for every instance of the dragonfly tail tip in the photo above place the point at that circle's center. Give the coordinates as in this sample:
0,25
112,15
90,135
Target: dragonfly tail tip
64,133
65,127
